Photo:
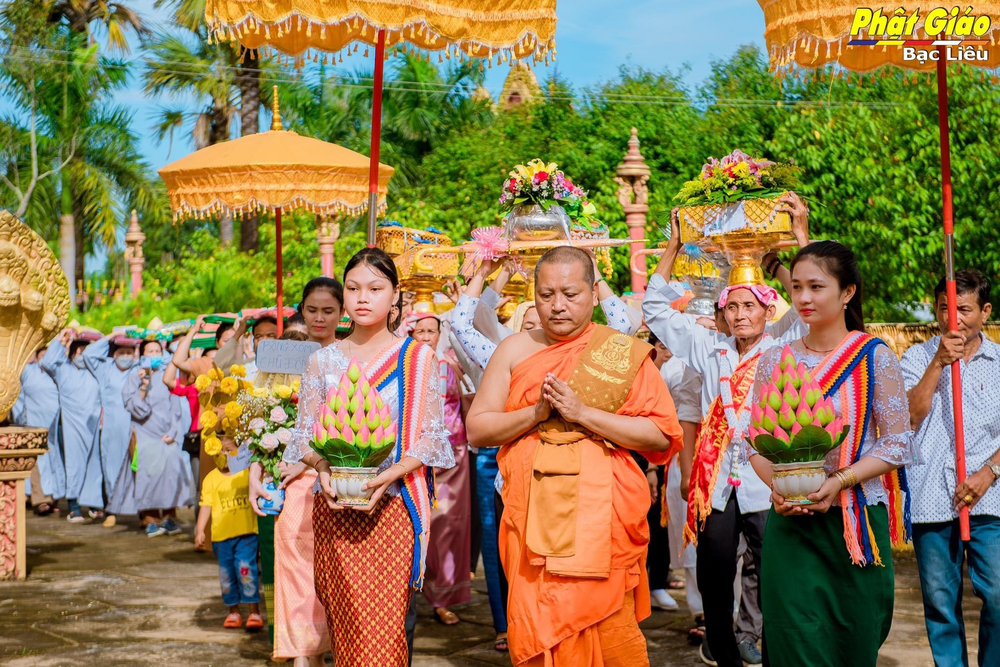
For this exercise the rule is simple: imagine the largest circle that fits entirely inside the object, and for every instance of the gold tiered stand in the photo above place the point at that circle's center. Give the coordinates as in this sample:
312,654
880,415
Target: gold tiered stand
743,231
404,244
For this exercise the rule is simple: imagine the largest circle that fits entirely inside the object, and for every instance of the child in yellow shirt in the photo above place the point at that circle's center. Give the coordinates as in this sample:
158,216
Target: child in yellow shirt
225,502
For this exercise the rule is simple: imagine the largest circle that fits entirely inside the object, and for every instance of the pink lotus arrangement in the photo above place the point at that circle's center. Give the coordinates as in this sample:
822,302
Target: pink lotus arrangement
793,422
354,428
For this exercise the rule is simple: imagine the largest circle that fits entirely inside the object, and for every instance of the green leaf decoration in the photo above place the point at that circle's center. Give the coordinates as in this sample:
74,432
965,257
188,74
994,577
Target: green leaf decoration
375,457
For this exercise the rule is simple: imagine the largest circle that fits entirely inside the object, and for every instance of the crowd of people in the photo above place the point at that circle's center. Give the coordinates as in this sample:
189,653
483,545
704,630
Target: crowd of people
592,469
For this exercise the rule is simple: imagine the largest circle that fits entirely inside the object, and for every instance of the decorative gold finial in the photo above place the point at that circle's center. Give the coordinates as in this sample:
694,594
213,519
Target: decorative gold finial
275,113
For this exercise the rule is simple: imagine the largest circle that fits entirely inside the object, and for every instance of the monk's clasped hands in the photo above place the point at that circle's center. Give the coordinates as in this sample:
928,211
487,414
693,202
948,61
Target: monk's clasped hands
562,398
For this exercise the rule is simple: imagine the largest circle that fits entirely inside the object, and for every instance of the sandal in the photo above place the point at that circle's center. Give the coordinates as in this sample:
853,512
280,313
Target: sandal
500,643
696,635
445,616
254,622
45,509
676,583
233,620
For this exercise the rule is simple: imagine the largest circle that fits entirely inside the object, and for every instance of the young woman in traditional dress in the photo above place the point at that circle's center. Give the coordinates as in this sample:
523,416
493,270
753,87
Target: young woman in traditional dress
297,620
827,576
370,559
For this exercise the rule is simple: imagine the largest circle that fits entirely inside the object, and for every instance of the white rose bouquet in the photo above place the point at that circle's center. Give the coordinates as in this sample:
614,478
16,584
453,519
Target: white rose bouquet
266,424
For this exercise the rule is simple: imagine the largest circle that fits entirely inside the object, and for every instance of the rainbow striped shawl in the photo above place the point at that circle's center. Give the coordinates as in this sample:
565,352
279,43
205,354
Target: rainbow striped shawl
416,488
849,371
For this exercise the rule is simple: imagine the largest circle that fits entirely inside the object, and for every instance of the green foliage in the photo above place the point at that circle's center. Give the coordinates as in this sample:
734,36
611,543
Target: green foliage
869,159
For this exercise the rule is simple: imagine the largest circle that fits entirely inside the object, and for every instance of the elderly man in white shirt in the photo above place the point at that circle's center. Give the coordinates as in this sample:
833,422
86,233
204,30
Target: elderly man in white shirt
936,496
720,512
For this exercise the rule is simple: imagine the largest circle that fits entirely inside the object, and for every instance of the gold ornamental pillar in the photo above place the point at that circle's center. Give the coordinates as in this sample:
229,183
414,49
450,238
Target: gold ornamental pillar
34,303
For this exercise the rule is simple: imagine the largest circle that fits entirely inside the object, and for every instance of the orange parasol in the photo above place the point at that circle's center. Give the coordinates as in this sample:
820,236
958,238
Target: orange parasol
508,30
274,171
921,37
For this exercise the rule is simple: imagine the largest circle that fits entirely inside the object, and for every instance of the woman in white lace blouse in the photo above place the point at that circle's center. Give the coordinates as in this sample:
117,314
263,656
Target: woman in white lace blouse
826,571
370,559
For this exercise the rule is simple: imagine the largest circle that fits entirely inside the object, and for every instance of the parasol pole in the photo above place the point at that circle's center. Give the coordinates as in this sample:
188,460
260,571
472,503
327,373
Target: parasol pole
376,136
949,272
279,278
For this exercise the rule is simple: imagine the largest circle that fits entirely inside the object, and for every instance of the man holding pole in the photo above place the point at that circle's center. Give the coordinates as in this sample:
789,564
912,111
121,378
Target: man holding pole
937,494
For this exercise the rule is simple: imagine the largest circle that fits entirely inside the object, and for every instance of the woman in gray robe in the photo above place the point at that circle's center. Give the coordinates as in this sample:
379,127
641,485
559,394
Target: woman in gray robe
157,478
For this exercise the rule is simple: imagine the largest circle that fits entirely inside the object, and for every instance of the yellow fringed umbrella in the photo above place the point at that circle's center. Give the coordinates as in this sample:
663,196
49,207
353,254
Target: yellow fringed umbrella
812,34
479,29
273,171
507,30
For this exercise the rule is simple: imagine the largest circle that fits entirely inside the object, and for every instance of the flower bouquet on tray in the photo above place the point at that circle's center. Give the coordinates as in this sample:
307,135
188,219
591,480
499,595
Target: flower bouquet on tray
794,427
355,433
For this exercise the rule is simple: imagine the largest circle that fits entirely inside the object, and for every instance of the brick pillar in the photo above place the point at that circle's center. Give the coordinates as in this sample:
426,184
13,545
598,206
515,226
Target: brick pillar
134,239
633,195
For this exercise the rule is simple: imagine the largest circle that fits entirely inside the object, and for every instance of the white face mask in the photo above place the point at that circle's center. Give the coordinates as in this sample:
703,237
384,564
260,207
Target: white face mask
124,363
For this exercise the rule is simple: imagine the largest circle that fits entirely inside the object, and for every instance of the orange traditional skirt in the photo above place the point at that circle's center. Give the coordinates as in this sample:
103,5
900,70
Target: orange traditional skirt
363,565
300,621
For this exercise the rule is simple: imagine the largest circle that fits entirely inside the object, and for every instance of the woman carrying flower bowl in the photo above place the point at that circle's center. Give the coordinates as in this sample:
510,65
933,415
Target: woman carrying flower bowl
297,619
369,559
826,602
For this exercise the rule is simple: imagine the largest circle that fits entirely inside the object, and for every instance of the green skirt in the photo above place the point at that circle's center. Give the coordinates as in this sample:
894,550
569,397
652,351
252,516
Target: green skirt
265,531
819,609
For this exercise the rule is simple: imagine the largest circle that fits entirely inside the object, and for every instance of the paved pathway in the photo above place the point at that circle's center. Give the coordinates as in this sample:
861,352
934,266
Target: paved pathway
109,597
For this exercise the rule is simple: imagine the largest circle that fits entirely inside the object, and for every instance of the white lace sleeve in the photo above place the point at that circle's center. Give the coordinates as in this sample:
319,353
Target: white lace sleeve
475,344
893,442
312,391
432,446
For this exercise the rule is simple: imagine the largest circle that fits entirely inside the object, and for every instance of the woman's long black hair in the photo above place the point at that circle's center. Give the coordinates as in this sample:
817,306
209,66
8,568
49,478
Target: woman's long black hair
380,262
838,260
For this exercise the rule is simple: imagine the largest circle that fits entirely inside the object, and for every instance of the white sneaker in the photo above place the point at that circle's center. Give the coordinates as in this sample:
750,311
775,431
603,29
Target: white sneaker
660,599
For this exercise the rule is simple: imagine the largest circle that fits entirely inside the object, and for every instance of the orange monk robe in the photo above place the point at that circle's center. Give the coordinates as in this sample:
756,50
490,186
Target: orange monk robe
578,621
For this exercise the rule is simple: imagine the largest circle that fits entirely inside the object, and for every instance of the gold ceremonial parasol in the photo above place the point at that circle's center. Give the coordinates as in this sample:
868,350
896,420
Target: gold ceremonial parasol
507,30
274,171
815,33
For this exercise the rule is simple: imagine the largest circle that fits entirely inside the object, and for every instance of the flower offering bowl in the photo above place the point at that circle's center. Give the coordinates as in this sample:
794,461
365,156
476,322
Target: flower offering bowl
277,501
346,482
795,481
532,223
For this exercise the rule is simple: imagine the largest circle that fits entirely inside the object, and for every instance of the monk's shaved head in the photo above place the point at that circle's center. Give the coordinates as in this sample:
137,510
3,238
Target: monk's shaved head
567,254
565,292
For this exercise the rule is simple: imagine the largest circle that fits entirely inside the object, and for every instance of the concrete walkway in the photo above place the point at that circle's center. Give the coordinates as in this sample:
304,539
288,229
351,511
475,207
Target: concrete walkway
109,597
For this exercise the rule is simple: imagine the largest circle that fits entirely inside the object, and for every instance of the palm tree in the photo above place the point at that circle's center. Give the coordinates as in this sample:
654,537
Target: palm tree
420,107
115,18
184,63
189,14
105,176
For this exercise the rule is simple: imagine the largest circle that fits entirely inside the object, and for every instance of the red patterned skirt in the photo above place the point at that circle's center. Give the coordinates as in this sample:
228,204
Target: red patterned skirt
363,564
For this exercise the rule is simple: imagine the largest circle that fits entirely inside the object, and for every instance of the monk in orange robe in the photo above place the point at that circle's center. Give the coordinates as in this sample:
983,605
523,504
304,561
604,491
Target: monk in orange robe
565,402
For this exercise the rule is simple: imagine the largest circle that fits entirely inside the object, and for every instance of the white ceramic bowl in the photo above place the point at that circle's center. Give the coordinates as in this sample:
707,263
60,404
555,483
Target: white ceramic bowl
347,483
795,481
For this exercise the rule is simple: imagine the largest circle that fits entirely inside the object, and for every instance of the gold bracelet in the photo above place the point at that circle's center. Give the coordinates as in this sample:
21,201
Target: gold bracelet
401,466
847,477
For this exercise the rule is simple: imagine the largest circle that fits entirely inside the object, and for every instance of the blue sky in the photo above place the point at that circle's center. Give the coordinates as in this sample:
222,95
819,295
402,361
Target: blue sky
593,38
